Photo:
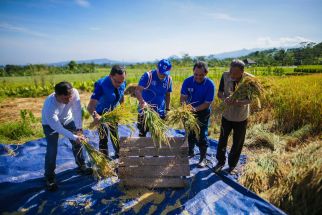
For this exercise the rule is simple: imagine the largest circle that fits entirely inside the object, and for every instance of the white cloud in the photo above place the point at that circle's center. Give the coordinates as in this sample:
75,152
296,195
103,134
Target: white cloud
268,42
9,27
83,3
228,17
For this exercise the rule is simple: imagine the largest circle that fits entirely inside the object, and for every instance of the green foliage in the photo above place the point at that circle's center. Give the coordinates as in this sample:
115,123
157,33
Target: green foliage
39,69
26,91
309,69
38,91
19,130
85,113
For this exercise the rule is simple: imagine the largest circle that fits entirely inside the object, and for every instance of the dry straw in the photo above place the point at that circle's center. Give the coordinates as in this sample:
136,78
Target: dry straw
156,126
249,88
120,115
184,118
102,167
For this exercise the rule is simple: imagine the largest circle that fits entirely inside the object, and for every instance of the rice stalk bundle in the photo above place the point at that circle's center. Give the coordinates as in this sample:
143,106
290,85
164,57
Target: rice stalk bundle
183,117
156,126
120,115
249,88
102,167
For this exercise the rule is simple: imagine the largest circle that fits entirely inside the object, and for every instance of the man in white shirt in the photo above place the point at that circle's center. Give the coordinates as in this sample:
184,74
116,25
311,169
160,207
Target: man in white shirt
62,114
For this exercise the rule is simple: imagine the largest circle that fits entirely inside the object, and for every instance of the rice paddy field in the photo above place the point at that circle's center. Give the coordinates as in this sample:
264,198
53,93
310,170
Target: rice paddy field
283,141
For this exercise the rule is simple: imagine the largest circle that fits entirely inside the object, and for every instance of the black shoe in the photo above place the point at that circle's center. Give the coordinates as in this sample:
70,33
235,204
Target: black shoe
51,184
202,163
83,170
231,170
218,167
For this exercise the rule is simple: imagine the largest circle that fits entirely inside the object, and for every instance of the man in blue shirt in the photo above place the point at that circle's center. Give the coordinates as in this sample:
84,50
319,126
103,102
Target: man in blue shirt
198,90
108,93
154,89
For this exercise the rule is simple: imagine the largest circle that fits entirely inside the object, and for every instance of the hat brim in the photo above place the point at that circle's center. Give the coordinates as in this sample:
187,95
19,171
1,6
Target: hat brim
165,73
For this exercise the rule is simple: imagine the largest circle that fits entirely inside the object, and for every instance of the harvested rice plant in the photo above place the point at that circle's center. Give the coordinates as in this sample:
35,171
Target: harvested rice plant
283,141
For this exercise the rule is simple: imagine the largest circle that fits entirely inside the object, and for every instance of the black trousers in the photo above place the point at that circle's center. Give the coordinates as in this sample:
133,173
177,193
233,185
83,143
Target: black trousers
239,132
104,139
203,117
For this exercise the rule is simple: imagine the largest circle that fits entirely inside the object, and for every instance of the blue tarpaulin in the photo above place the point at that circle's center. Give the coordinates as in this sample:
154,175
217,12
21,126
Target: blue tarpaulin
22,187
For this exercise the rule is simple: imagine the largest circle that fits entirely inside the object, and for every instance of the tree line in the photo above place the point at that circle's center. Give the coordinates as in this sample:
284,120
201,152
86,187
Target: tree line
308,53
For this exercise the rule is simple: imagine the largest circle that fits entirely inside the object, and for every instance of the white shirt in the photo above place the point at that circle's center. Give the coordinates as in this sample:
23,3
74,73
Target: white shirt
57,114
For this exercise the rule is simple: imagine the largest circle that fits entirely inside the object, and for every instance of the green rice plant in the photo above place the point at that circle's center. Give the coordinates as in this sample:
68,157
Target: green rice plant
102,167
309,69
156,126
183,117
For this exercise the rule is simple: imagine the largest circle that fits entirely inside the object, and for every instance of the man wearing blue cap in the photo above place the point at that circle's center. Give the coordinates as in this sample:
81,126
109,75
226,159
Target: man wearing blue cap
108,93
199,91
154,89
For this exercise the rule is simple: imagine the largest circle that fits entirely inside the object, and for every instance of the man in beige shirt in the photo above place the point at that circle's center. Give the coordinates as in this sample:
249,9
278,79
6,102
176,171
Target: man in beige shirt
234,117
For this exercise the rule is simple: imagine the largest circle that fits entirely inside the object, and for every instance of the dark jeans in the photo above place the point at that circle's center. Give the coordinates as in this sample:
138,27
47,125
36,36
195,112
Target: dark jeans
140,125
51,151
104,139
239,132
203,117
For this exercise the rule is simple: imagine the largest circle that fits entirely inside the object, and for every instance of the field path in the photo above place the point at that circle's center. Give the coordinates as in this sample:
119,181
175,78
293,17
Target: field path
10,107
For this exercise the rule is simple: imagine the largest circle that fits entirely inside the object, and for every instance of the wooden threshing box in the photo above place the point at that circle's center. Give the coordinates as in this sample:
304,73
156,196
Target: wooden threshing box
145,164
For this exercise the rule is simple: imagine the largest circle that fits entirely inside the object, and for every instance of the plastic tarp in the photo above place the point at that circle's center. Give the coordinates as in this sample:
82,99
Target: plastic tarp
22,187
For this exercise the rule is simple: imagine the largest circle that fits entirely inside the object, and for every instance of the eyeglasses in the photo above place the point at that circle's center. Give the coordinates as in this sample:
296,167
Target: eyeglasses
116,81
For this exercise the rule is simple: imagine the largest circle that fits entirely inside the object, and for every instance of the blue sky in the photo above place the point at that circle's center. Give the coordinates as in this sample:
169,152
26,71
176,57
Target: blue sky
138,30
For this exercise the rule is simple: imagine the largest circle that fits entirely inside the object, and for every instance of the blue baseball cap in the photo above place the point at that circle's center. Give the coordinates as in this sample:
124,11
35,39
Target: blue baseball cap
164,67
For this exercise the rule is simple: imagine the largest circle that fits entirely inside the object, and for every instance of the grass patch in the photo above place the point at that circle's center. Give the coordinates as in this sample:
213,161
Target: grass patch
26,128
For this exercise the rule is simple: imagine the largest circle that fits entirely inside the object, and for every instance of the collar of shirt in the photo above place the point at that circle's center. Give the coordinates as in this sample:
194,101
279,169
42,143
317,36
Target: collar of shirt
202,83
